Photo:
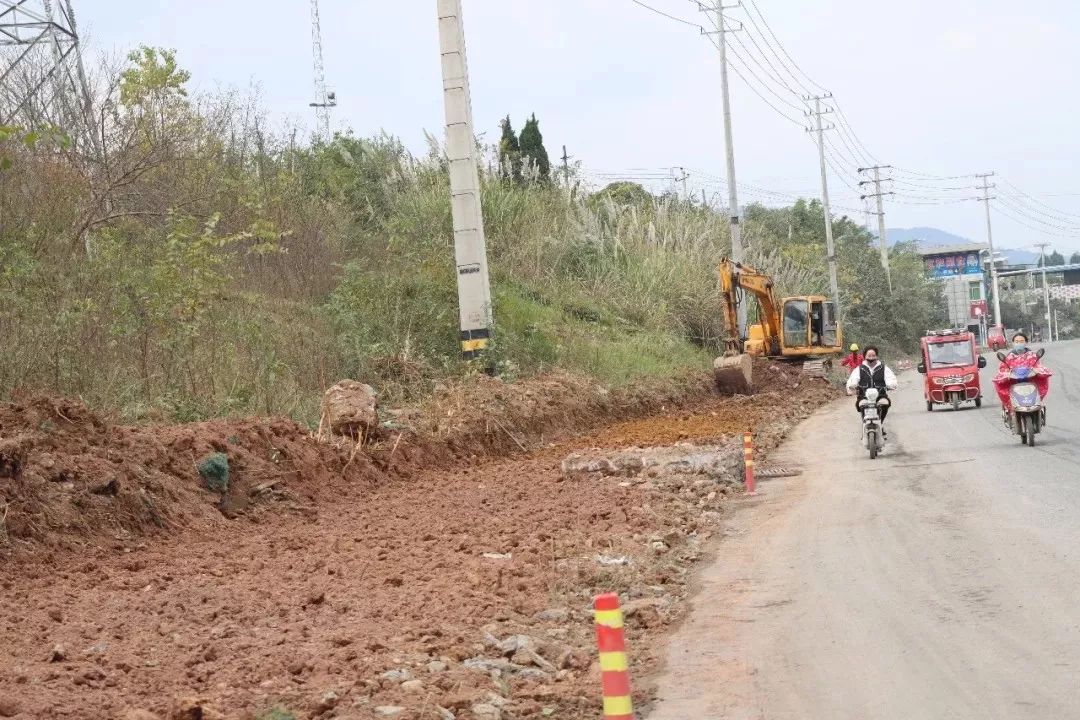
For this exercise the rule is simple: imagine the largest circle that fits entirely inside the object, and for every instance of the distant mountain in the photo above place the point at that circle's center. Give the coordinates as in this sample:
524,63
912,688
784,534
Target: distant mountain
933,237
926,236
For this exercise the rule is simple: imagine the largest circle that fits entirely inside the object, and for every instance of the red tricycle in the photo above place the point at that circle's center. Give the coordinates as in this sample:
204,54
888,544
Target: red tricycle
951,367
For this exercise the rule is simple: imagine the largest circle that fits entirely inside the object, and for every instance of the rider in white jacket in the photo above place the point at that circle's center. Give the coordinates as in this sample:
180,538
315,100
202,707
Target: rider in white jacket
872,374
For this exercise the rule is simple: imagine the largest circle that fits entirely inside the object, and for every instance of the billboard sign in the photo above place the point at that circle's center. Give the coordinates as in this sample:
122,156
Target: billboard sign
954,264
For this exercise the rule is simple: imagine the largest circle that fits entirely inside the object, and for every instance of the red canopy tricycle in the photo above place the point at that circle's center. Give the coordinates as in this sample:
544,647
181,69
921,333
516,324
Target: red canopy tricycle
951,367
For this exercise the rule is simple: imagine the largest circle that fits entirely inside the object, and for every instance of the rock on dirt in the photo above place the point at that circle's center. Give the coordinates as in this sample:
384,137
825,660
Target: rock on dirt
413,686
138,715
715,461
397,676
9,707
350,408
328,701
195,709
486,711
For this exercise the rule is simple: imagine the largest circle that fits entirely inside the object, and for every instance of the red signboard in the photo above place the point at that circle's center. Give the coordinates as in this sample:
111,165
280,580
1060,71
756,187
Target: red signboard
978,308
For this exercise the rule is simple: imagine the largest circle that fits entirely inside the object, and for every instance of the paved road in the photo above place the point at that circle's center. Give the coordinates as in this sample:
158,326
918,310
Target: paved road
939,582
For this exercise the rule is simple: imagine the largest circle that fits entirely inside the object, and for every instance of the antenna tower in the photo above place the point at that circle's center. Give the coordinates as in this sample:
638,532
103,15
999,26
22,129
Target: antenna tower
42,77
323,100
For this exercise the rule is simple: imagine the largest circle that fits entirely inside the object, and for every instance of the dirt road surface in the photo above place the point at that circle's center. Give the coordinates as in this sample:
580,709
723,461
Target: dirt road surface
939,581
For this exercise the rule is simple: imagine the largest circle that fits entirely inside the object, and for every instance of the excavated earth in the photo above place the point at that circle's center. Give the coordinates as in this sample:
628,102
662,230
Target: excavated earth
445,571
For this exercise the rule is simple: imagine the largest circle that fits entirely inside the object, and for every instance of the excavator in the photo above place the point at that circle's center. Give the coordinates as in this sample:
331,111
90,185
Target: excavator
792,329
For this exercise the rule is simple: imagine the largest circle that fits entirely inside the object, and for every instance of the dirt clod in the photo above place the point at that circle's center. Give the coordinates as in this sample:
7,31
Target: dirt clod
9,707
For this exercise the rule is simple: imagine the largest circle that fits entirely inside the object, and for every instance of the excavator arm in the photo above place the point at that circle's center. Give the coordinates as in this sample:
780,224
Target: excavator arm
735,276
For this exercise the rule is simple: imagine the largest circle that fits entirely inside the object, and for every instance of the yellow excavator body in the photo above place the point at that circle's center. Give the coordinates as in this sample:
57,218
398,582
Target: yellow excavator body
792,328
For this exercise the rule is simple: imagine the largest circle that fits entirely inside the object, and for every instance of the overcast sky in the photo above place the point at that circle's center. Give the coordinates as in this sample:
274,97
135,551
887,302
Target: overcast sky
941,88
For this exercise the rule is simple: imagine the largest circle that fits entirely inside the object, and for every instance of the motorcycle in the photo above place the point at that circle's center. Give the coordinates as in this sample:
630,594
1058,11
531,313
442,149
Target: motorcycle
1028,415
872,431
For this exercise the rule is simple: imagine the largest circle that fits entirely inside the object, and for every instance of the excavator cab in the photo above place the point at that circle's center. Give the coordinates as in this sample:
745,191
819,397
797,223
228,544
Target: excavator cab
810,326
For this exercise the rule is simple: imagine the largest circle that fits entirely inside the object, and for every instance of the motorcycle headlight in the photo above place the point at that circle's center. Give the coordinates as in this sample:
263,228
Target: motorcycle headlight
872,394
970,377
941,381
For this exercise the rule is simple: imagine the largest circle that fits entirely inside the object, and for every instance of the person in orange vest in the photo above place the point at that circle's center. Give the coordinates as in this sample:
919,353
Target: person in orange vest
854,360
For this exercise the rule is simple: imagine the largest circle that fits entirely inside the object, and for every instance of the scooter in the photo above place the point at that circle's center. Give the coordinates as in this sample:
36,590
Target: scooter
1028,416
871,413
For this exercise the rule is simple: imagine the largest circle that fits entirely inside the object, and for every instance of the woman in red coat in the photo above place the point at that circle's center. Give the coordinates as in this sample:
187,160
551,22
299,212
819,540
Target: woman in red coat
1020,356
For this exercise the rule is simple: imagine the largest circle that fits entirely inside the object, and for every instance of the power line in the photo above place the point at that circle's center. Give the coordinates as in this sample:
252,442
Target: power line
748,66
779,76
767,79
754,89
905,171
805,89
1009,202
783,49
1020,221
846,128
667,15
766,73
1054,210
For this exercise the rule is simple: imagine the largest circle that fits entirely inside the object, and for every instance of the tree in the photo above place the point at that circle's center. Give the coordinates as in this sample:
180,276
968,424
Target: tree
509,150
1074,259
532,147
1055,259
626,194
152,73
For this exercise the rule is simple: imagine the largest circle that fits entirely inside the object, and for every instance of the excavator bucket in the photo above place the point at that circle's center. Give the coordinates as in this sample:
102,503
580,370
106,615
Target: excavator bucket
734,374
816,368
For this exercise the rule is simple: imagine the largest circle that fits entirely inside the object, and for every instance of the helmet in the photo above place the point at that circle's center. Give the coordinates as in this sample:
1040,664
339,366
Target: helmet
854,347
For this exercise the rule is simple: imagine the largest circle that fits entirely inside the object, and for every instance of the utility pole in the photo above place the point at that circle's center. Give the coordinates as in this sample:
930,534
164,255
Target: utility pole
565,166
737,249
985,187
830,248
470,244
1046,289
878,194
704,200
681,178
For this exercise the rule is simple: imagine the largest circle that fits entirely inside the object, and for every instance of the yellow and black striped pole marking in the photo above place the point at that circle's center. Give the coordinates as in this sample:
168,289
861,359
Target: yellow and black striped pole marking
748,463
614,669
474,342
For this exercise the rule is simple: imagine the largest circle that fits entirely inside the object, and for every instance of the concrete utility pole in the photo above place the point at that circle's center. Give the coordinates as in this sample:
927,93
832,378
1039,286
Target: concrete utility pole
985,187
830,248
1046,290
878,194
565,166
737,249
470,245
